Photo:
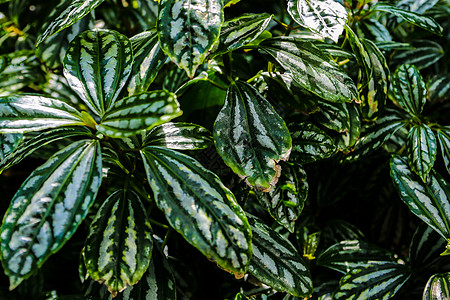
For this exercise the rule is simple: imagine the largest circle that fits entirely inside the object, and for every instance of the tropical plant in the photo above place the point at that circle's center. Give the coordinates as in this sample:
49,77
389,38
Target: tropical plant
276,139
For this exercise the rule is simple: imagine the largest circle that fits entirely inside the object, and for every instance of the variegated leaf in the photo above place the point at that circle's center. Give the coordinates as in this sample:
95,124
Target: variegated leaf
286,200
439,86
309,143
148,60
424,53
188,29
334,116
390,46
29,112
378,280
426,245
179,136
350,135
276,262
97,66
49,207
429,201
324,17
438,287
9,143
251,137
417,6
67,13
119,245
409,89
135,114
313,69
374,30
146,12
351,254
443,135
422,149
199,207
57,87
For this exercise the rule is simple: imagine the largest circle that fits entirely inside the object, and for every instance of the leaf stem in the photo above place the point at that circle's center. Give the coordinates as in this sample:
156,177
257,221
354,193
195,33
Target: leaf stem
166,238
159,224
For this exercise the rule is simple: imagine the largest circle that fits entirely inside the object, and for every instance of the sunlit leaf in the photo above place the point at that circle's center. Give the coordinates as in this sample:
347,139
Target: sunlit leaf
9,143
438,287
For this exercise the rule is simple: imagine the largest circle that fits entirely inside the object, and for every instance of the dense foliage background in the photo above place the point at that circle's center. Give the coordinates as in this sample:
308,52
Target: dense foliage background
217,149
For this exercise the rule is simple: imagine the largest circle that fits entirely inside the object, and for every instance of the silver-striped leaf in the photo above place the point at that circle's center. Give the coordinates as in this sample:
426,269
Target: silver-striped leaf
9,143
57,87
30,112
408,89
421,149
179,136
251,137
146,12
374,30
424,22
334,116
276,262
188,29
310,143
148,60
67,13
439,86
347,138
97,66
424,53
49,207
119,246
137,113
378,280
241,31
438,287
443,135
429,201
351,254
426,245
286,200
323,17
390,46
199,207
313,69
417,6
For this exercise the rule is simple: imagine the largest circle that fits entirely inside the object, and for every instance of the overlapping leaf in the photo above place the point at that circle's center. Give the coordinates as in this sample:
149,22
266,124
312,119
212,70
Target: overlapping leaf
311,68
334,116
49,207
425,247
276,262
348,137
438,287
423,54
251,137
188,29
97,66
422,149
9,143
417,6
119,245
439,86
374,30
199,207
443,135
135,114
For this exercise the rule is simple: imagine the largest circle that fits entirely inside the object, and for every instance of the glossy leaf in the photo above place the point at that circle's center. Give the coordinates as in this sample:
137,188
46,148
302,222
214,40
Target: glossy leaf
251,137
179,136
286,200
311,68
49,207
417,6
374,30
276,262
350,135
443,135
119,245
97,66
422,149
199,207
57,87
389,46
28,112
438,287
310,143
324,17
334,116
423,54
378,280
148,60
188,29
426,245
67,13
439,86
135,114
9,143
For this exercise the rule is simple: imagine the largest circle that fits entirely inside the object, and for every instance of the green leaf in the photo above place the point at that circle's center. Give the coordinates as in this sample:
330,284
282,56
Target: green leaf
67,13
429,201
28,112
417,6
97,66
423,54
241,31
57,87
49,207
389,46
334,116
424,22
286,200
251,137
309,143
276,262
188,29
426,245
179,136
199,207
9,143
119,245
439,86
351,254
443,135
422,149
148,60
324,17
373,30
378,280
438,287
409,89
350,135
313,69
135,114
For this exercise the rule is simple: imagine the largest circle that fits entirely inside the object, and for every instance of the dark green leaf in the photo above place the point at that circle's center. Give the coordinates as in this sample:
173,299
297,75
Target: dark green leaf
348,137
57,87
423,54
49,207
9,143
199,207
443,135
439,86
425,247
417,6
389,46
422,149
334,116
373,30
438,287
251,137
